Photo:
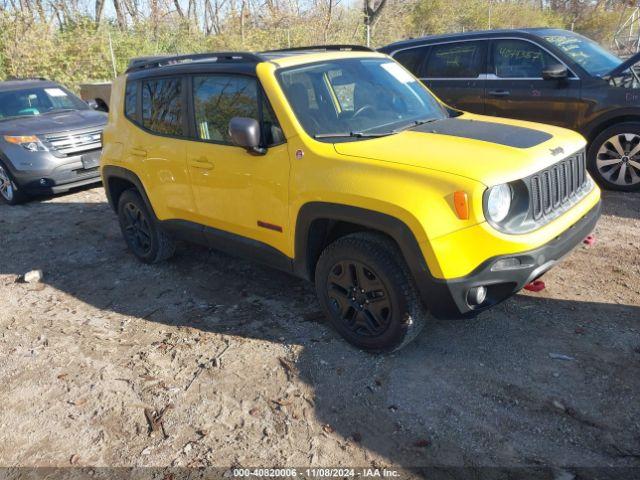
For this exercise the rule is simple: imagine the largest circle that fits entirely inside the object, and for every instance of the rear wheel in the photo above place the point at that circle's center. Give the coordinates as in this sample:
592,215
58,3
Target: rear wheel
614,157
367,293
144,237
9,189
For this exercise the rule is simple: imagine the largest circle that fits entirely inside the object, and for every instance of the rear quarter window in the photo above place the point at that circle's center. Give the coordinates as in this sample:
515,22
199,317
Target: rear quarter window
131,100
413,59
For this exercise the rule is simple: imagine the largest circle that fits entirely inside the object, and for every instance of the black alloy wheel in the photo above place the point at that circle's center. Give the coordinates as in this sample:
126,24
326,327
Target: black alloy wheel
368,293
143,234
359,297
137,230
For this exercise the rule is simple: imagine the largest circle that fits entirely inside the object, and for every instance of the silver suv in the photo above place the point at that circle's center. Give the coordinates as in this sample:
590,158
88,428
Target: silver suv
50,140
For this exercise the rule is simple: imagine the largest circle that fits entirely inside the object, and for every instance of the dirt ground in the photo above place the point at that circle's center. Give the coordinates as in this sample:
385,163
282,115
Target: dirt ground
235,365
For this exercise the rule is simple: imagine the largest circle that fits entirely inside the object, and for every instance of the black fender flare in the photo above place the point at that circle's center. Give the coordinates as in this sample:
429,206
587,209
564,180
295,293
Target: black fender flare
433,292
110,172
391,226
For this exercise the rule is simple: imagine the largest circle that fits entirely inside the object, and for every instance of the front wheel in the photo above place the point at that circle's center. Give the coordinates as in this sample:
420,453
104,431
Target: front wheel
614,157
368,294
9,190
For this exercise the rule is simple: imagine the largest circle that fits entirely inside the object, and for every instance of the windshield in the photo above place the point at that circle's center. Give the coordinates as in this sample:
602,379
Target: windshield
586,53
357,98
37,101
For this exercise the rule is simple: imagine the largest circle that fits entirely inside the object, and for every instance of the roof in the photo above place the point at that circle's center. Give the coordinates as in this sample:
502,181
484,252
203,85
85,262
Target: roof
296,55
464,35
25,83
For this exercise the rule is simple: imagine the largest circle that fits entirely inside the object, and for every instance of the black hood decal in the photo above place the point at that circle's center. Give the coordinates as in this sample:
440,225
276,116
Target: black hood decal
509,135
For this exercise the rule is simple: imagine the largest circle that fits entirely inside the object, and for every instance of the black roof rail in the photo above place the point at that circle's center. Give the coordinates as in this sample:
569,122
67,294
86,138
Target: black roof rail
142,63
11,78
328,48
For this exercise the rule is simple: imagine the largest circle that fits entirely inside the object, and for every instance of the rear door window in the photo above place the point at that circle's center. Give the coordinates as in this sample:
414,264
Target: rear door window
456,60
162,106
519,59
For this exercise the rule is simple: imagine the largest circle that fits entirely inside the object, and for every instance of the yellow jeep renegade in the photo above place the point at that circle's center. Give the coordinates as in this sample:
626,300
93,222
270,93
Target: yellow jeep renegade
337,165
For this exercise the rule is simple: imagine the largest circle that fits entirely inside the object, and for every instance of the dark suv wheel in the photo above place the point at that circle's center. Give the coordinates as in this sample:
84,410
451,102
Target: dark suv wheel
144,237
614,157
367,293
9,190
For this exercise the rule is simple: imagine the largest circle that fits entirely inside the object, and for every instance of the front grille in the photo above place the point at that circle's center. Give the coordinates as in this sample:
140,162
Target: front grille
74,143
558,186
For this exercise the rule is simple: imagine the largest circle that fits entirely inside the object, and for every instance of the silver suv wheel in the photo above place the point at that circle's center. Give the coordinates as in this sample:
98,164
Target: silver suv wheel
6,186
618,160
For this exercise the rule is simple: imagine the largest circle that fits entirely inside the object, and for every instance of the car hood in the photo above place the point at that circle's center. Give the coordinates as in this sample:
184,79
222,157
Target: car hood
628,63
485,149
53,123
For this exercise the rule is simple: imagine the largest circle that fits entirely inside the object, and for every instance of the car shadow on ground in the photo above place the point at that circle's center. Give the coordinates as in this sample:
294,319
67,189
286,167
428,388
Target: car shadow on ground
621,204
535,381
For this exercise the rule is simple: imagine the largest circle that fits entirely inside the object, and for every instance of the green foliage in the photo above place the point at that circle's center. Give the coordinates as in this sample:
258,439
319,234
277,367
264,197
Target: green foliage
78,50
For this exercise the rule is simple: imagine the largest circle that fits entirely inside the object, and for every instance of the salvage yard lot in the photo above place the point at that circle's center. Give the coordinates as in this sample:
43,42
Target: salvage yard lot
243,370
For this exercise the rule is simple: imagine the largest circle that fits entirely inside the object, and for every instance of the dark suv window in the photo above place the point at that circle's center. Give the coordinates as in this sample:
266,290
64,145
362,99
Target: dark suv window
412,59
456,60
162,106
219,98
519,59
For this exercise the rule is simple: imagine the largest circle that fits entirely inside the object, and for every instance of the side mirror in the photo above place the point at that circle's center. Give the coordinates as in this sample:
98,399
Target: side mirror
245,133
98,105
555,72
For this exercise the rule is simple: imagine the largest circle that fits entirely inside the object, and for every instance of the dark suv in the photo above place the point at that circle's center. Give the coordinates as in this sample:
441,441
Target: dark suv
50,140
543,75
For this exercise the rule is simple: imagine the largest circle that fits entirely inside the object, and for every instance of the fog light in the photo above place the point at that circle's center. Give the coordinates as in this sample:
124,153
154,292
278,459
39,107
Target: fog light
506,264
477,296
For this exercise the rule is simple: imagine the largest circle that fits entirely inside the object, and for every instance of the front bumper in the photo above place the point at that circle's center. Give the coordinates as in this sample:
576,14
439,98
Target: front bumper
61,175
448,298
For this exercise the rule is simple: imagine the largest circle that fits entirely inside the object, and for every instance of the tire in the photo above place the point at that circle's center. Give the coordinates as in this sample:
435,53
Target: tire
614,157
144,237
10,192
388,314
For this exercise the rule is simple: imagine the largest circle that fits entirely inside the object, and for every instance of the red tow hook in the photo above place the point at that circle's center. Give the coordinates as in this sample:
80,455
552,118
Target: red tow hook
589,240
535,286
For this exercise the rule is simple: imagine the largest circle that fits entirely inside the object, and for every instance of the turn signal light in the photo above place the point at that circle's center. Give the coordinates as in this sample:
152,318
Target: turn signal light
461,204
21,139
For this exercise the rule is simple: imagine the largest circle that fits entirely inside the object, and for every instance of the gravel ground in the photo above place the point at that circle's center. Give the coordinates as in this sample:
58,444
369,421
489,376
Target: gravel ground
209,360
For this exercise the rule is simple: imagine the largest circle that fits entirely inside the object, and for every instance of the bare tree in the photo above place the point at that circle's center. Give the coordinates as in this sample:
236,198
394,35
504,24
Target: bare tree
99,8
120,18
372,11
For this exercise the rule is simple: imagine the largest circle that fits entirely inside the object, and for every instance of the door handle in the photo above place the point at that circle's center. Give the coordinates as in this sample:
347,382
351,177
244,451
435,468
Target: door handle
499,93
138,152
203,163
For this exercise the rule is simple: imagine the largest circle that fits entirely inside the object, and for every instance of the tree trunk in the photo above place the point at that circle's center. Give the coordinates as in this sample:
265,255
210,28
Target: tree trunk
120,18
372,11
99,9
178,9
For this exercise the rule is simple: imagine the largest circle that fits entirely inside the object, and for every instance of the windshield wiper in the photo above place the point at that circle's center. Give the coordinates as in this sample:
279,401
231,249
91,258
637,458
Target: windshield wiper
415,123
59,110
352,134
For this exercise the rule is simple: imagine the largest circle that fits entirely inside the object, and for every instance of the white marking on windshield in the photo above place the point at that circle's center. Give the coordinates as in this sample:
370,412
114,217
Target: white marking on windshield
398,72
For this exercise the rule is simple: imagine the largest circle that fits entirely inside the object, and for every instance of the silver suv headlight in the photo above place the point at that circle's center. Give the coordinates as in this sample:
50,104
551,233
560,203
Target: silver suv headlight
28,142
498,202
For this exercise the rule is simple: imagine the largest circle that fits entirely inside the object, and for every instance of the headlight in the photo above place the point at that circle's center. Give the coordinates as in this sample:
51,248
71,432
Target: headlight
29,142
498,202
